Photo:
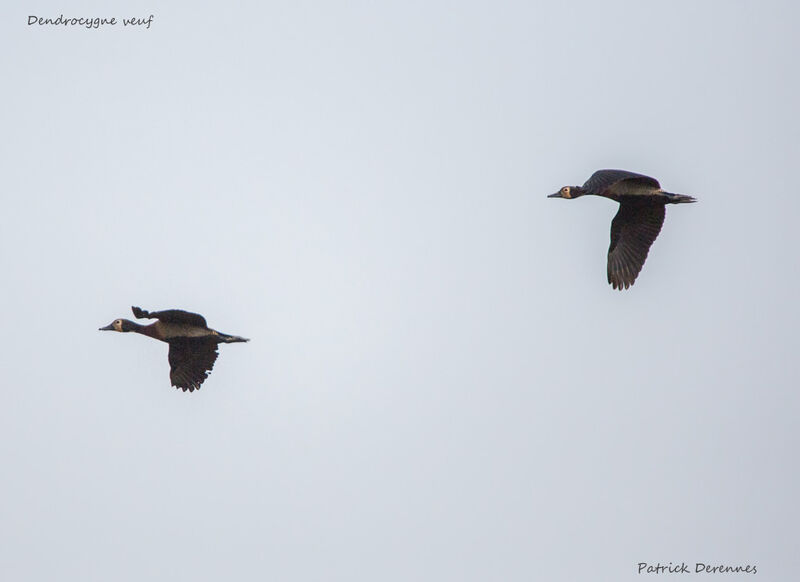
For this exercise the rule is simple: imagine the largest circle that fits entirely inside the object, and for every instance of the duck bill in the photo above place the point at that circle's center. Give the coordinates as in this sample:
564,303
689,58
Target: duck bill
556,195
109,327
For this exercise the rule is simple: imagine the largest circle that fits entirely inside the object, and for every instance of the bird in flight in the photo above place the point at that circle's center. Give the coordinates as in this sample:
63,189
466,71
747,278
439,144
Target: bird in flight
192,344
638,221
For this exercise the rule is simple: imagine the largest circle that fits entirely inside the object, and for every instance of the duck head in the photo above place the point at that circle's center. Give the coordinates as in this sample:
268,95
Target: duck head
568,192
122,325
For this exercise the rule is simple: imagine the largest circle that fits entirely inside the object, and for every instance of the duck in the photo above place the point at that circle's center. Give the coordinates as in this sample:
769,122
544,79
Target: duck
192,344
637,223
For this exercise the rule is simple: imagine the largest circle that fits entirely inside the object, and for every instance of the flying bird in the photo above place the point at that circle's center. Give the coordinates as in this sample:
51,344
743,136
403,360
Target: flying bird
641,212
192,344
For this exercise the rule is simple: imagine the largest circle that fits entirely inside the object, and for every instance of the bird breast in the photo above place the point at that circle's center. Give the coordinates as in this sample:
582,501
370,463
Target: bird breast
631,188
175,330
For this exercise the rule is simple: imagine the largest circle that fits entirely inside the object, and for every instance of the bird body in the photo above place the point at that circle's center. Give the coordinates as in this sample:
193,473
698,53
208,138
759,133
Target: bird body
637,222
192,344
616,183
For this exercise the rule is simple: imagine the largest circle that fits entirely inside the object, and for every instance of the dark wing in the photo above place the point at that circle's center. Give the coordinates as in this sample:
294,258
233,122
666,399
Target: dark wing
171,316
603,179
633,230
190,361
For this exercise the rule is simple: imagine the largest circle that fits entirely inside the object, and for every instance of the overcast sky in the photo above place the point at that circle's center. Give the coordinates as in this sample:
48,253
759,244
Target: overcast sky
441,385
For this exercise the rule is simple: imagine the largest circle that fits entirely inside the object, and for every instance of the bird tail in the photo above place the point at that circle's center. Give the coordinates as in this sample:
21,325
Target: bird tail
230,339
678,198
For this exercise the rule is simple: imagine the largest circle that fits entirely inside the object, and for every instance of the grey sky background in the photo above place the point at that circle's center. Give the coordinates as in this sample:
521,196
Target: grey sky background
440,383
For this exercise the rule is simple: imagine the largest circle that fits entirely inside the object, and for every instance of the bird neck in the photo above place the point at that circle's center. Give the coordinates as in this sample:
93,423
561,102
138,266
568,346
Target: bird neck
148,330
576,192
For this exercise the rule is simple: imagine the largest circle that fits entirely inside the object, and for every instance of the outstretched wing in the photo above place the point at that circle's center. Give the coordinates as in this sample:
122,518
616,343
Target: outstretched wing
633,230
190,361
604,179
171,316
